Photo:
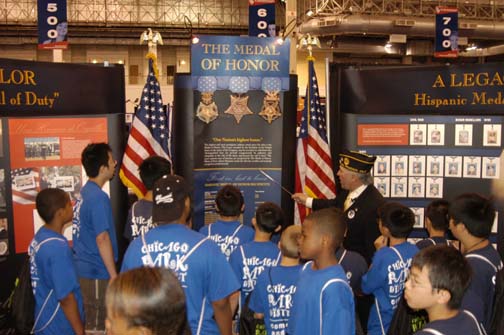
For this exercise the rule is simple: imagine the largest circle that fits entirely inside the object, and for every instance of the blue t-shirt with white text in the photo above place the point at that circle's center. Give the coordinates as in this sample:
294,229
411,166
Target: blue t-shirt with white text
228,235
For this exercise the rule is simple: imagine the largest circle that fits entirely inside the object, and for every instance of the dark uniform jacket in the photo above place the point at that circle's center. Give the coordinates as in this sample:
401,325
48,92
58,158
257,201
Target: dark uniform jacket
361,219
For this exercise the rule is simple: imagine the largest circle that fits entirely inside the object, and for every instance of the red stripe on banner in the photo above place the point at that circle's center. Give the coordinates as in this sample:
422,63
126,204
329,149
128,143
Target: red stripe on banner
314,187
23,195
143,141
322,152
134,156
327,180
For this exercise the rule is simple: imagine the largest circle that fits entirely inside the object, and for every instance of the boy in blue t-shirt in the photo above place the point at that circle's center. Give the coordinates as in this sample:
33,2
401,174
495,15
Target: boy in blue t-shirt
323,302
436,223
227,231
471,219
203,272
438,279
58,300
272,295
251,259
390,267
140,214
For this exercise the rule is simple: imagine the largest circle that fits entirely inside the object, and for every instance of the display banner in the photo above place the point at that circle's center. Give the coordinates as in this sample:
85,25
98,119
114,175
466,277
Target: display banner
238,97
446,32
477,88
39,88
262,20
226,57
52,24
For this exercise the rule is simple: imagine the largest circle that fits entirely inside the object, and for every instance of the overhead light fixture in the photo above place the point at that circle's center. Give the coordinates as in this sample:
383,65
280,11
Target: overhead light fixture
195,39
388,45
309,13
471,47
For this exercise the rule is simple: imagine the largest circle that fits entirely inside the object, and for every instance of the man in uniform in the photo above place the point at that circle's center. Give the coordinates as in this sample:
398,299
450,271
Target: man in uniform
359,200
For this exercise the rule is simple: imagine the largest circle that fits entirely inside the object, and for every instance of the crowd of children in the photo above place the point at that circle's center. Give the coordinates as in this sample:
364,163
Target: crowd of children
307,284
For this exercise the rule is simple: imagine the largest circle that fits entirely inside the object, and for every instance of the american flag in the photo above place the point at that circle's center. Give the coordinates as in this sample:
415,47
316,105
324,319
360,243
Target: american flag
314,173
150,133
25,185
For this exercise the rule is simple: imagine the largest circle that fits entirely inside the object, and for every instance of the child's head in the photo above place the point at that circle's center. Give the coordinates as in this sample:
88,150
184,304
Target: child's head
229,201
322,231
437,213
53,203
152,169
146,300
289,241
439,275
475,212
395,220
94,156
269,218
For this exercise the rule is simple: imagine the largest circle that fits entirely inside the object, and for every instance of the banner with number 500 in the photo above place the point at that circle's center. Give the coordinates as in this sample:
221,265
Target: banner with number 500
52,24
446,32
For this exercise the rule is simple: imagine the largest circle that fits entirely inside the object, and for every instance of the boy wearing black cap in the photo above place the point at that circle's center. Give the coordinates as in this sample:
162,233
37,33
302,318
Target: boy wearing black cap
201,268
359,201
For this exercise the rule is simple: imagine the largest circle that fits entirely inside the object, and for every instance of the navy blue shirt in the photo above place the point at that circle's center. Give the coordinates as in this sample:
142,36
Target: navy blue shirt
436,240
355,267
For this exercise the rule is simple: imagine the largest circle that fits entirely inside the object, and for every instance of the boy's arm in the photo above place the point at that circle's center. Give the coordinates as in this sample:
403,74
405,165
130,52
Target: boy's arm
71,311
222,313
105,248
375,276
338,314
233,301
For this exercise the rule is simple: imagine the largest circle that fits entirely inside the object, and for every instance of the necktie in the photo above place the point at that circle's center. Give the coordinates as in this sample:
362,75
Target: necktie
348,202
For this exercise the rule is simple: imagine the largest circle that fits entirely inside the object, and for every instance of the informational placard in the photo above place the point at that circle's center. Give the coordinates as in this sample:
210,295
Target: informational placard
46,152
52,24
446,45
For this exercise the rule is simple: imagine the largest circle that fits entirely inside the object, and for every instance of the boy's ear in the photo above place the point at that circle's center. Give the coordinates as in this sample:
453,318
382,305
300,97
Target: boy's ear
254,222
386,231
443,297
242,209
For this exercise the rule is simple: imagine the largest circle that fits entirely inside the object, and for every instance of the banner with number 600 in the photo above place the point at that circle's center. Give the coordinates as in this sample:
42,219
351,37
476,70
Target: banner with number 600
446,32
52,24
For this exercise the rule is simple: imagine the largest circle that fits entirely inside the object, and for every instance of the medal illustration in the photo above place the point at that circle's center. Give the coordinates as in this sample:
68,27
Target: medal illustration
238,107
239,101
207,110
271,107
270,110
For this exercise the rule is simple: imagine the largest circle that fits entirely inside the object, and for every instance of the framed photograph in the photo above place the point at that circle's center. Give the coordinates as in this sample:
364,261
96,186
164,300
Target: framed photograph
453,166
382,166
434,166
434,187
382,184
398,187
41,148
417,165
419,216
416,187
472,167
436,134
418,134
399,165
490,168
492,135
463,134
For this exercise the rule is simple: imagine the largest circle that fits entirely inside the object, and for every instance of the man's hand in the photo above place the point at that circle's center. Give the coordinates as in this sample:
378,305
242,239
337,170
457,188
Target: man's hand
300,198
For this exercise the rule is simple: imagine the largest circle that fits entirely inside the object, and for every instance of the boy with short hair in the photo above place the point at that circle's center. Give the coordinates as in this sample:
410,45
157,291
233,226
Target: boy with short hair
391,262
251,259
140,215
436,223
272,295
323,302
227,231
58,300
438,280
471,219
94,235
202,270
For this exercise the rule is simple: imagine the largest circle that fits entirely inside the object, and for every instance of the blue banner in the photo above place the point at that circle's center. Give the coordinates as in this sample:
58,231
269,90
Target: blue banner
233,56
52,24
446,32
262,20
